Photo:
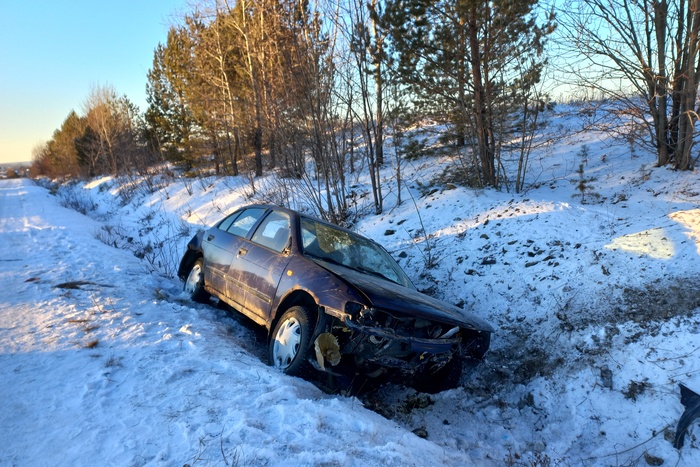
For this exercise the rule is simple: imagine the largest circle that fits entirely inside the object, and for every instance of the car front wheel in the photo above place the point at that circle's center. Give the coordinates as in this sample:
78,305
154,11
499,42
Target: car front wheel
194,285
290,340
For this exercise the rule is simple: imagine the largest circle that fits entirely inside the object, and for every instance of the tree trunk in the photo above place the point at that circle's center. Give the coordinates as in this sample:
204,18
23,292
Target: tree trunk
486,155
688,97
661,123
379,84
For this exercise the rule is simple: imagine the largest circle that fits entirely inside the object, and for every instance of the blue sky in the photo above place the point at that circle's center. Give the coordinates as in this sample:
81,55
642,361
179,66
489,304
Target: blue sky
53,53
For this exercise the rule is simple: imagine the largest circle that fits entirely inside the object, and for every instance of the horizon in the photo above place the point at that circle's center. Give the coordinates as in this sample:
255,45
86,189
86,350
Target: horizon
15,164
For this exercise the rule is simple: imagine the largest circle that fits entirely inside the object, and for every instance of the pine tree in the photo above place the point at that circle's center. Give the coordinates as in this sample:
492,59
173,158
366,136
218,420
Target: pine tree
471,63
169,117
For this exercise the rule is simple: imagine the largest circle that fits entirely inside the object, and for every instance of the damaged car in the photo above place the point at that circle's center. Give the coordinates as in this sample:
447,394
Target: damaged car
330,299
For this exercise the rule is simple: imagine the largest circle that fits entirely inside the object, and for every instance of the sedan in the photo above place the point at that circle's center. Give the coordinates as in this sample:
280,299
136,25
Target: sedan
330,299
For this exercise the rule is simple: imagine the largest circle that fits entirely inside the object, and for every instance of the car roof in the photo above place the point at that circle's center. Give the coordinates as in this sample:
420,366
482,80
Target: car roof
303,215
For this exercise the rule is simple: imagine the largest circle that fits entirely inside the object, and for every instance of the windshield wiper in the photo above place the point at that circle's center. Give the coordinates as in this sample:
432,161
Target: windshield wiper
327,259
374,273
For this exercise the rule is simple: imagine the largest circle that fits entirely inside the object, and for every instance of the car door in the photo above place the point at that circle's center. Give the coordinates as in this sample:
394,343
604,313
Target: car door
218,252
262,261
221,244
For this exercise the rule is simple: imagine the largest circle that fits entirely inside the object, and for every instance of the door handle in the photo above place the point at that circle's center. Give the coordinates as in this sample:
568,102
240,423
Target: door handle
242,251
210,237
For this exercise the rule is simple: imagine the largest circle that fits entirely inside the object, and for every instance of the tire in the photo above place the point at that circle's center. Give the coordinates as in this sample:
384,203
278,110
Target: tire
290,342
194,284
445,378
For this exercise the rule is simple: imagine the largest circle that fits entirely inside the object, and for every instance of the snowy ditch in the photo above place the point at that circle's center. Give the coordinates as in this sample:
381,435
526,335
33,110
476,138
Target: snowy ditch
595,306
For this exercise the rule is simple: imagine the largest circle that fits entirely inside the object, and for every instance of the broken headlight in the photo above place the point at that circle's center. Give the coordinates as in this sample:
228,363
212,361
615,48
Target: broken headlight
354,309
367,316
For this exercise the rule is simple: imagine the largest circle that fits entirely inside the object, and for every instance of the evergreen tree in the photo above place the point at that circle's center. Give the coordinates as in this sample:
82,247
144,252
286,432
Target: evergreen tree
63,155
471,63
169,118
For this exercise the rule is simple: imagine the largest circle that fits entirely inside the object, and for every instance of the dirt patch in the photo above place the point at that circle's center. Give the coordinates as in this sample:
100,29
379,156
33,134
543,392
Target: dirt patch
647,307
73,285
526,354
635,389
506,367
658,302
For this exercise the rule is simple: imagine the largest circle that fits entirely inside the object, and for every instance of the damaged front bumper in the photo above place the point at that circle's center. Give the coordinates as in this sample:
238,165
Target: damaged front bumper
409,343
378,350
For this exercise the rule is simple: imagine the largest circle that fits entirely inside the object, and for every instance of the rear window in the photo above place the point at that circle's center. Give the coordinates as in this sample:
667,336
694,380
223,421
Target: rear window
242,223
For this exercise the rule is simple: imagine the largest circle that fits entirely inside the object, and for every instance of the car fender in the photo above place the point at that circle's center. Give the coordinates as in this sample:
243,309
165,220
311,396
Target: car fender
327,289
192,252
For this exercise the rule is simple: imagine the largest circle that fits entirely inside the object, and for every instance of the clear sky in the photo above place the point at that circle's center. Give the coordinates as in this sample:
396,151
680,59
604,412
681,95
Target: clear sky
53,53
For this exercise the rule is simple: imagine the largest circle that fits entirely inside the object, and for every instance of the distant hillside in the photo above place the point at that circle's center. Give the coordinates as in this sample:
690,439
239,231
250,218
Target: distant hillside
15,165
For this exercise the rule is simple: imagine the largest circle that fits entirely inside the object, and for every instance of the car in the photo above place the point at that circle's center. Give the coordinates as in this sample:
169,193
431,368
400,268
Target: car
330,299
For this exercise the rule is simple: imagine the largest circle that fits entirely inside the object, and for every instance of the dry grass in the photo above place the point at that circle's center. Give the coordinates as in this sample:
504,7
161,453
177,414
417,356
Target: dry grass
114,362
92,344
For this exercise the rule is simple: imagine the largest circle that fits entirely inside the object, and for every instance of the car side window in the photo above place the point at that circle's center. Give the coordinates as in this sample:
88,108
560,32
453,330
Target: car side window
273,232
226,223
308,236
245,221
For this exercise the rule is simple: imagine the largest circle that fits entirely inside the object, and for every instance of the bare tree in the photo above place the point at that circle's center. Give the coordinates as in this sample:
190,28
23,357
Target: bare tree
111,142
644,53
366,39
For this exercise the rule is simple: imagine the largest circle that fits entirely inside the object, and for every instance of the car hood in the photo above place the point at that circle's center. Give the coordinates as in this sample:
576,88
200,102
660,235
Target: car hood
386,295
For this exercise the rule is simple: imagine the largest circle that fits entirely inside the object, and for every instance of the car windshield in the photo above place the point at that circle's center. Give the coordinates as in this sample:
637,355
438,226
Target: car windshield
336,246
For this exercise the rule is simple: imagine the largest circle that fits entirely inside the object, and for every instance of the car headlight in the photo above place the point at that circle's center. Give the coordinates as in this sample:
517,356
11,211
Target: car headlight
354,309
367,316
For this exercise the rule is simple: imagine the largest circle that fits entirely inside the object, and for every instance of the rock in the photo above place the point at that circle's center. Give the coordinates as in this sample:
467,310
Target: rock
653,460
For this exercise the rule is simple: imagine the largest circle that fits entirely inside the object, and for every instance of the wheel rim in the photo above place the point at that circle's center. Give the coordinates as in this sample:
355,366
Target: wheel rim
193,279
287,342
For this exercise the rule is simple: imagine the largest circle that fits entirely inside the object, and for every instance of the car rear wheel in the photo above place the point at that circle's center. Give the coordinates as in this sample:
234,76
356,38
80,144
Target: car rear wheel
194,285
290,340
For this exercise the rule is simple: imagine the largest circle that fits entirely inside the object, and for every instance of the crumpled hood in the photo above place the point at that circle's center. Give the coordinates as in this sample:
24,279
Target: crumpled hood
386,295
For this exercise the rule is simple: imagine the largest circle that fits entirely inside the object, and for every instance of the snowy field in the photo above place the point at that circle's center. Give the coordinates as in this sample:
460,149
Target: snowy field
596,307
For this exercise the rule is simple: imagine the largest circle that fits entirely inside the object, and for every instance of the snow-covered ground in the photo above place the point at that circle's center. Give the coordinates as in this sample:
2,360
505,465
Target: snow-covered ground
104,362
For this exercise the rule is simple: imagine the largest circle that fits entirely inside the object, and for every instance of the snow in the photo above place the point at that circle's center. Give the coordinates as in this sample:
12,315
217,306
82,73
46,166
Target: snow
103,361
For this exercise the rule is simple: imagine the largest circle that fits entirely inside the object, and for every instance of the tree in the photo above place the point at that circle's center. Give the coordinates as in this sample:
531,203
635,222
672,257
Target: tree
59,157
651,47
309,59
41,161
111,141
366,39
63,145
170,121
217,56
472,63
254,76
248,19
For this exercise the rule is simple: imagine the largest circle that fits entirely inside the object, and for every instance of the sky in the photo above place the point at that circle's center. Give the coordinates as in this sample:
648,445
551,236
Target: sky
52,54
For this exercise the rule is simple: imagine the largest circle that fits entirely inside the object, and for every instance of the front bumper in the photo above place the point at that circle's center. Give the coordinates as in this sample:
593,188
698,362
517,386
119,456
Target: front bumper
415,344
